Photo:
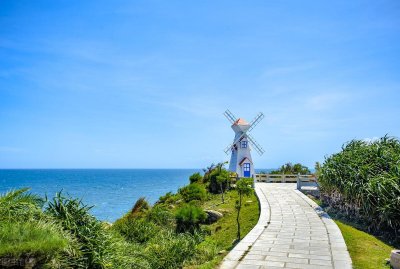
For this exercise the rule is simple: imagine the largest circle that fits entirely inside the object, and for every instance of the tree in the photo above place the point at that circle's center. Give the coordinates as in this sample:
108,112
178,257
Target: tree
289,168
195,178
243,187
223,180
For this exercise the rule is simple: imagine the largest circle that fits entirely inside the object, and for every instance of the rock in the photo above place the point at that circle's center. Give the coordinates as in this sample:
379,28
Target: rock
395,259
213,216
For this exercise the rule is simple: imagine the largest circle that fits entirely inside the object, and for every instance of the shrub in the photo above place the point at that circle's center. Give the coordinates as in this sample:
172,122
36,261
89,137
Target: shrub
170,250
18,204
218,179
161,216
98,245
137,230
140,206
26,232
292,169
39,240
189,217
193,192
195,178
168,198
363,181
205,251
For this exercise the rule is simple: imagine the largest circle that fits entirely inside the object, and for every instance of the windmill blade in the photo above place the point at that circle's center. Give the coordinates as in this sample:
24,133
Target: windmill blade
228,148
229,116
256,121
256,146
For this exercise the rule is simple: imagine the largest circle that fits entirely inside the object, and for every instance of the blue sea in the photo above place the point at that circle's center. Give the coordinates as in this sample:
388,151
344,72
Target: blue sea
112,192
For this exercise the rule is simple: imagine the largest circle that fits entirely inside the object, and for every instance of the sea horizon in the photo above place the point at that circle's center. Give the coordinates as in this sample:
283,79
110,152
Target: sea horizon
111,191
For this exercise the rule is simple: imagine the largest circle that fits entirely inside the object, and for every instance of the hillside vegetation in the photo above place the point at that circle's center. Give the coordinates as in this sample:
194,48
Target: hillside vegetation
362,183
176,232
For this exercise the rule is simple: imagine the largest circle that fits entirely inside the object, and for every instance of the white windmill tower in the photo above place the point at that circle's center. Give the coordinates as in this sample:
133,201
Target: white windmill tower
241,161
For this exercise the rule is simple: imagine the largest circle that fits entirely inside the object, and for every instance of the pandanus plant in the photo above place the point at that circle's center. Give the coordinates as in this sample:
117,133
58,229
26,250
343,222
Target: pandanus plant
363,181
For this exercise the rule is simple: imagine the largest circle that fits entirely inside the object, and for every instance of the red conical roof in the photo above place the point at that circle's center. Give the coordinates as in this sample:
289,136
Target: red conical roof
240,121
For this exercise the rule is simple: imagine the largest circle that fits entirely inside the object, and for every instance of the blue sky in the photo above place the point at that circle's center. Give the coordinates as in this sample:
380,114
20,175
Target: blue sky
143,84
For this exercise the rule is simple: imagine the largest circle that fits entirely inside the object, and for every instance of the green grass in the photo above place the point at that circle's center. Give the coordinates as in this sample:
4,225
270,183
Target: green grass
17,239
366,251
223,232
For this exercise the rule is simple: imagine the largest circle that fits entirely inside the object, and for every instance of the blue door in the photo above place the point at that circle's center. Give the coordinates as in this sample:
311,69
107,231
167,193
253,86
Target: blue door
246,170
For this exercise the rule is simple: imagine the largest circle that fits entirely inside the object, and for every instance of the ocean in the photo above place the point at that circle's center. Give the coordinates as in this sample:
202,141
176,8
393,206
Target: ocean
112,192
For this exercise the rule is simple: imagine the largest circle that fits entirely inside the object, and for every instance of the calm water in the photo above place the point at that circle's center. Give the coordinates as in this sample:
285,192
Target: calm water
111,191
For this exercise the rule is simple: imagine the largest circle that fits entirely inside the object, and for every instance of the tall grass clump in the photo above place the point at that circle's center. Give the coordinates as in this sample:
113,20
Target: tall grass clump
27,233
363,182
99,246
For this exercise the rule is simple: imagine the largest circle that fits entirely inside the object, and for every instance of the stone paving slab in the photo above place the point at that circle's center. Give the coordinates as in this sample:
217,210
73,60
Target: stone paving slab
292,232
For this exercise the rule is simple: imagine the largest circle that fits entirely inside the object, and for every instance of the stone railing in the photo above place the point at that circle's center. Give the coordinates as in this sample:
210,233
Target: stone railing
301,180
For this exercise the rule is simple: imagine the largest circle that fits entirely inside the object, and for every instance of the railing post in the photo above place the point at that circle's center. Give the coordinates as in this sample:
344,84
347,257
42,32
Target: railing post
298,182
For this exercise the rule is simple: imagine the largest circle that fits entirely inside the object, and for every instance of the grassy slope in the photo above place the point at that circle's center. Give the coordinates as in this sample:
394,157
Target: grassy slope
17,239
224,230
366,251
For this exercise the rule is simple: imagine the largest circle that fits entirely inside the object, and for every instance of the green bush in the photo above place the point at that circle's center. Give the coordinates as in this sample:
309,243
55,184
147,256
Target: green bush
170,250
363,181
26,232
292,169
195,178
20,205
161,216
140,207
137,230
98,245
189,217
168,198
193,192
40,240
205,251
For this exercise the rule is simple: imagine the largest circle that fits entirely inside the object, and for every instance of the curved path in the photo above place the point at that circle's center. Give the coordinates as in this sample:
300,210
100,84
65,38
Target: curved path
292,232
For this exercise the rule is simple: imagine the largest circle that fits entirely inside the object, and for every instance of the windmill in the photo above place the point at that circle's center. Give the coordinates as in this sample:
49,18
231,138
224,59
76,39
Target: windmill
241,162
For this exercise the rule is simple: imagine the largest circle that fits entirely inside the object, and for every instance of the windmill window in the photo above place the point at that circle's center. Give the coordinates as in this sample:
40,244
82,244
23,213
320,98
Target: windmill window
244,144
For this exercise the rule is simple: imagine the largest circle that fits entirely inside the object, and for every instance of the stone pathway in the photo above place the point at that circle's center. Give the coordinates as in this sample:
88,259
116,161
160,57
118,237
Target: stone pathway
292,232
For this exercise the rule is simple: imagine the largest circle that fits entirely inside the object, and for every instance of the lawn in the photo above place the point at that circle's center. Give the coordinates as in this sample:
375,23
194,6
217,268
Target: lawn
223,232
366,251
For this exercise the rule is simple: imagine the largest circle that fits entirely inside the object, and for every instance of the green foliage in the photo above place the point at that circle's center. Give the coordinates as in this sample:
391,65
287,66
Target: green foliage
168,198
25,231
170,250
19,204
137,230
290,169
366,251
66,235
205,251
243,188
218,178
363,182
207,172
195,178
189,217
39,239
161,216
95,242
140,206
193,192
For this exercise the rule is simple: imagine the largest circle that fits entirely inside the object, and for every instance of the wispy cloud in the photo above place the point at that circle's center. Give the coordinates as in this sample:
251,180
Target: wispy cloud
326,100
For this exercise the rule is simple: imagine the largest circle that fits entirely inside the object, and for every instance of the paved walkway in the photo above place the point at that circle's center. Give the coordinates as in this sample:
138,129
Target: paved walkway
292,232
